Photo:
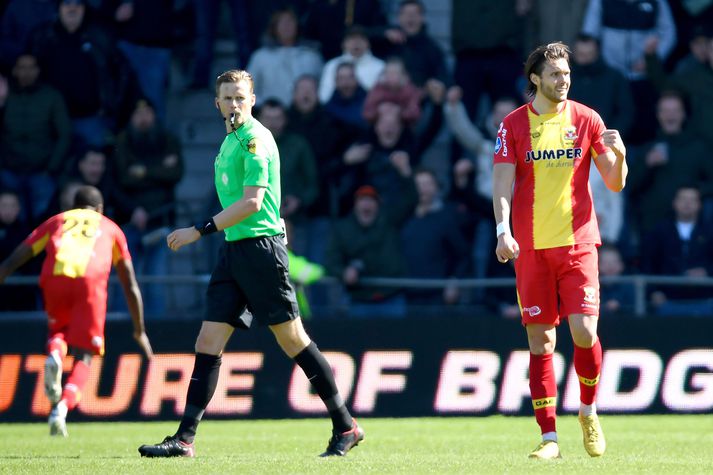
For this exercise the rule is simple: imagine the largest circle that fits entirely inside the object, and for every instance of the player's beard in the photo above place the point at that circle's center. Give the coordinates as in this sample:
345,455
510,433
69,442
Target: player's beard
553,95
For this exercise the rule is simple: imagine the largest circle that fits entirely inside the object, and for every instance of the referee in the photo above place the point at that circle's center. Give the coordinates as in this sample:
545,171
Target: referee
251,272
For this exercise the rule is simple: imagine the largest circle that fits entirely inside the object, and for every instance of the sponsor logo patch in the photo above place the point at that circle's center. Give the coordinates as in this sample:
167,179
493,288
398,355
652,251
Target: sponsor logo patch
533,311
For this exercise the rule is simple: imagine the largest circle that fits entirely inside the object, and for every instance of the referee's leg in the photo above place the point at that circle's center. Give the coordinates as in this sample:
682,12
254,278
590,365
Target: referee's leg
294,341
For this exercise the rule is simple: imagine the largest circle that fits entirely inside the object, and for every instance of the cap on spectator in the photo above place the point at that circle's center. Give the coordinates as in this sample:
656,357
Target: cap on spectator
366,190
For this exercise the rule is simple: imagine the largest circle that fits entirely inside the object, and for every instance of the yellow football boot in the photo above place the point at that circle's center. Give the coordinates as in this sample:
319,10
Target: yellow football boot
548,449
593,436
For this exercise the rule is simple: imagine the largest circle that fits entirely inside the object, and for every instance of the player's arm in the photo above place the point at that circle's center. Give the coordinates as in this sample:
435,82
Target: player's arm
612,164
127,278
249,204
19,256
503,179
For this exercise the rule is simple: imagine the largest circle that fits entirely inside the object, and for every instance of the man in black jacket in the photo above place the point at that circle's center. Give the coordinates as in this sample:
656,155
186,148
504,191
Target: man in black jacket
83,63
682,246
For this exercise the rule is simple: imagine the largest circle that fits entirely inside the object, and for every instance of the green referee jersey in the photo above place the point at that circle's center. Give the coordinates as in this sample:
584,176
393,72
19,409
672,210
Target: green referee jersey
249,157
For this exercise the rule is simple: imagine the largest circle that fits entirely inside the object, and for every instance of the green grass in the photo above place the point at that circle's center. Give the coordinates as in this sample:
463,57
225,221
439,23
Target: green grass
497,444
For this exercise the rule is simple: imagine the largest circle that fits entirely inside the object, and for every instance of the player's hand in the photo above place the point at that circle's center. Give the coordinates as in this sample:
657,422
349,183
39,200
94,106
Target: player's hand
507,248
143,340
181,237
612,140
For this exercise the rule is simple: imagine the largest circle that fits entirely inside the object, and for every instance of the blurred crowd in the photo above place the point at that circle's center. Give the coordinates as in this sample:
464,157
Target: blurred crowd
386,134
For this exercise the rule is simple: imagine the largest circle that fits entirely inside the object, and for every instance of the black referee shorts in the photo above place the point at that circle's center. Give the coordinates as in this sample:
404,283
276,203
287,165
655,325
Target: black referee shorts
251,274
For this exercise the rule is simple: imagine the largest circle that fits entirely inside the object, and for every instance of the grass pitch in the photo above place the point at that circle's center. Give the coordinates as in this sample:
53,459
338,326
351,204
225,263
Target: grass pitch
636,444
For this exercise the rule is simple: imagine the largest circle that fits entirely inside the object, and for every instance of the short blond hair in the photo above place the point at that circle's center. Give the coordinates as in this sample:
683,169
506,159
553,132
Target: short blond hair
233,75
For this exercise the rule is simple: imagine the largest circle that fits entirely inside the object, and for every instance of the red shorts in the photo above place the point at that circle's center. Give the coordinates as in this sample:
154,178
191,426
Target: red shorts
555,282
76,311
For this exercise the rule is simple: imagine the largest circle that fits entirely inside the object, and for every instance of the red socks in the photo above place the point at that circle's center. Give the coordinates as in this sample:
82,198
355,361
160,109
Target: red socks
588,365
75,383
543,389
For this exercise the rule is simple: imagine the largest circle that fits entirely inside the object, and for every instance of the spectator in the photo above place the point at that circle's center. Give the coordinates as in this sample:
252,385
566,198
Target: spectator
696,83
327,140
608,206
366,244
285,52
326,22
682,246
146,31
207,13
12,232
698,44
615,298
298,174
18,20
347,101
91,169
395,87
83,63
34,137
554,20
149,165
355,50
623,28
663,166
423,58
502,301
472,185
386,158
487,41
433,243
600,86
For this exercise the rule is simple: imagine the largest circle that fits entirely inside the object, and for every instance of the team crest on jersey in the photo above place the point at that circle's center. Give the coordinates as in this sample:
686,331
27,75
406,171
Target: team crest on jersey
252,145
498,145
570,133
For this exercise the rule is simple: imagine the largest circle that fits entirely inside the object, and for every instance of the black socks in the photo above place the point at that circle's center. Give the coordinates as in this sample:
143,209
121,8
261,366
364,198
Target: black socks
319,373
200,390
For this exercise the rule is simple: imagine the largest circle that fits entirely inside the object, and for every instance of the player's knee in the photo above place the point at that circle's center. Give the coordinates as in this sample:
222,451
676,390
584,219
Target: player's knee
208,344
584,339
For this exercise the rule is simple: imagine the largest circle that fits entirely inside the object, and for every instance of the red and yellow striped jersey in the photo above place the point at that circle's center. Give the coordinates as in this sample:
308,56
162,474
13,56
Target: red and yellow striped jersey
80,244
552,202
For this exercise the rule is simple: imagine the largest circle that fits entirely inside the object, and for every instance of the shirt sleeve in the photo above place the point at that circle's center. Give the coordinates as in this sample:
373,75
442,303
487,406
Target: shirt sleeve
504,144
37,240
120,250
597,143
256,164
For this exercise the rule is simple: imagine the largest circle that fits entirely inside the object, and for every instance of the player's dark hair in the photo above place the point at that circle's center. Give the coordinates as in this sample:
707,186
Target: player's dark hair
88,196
543,54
